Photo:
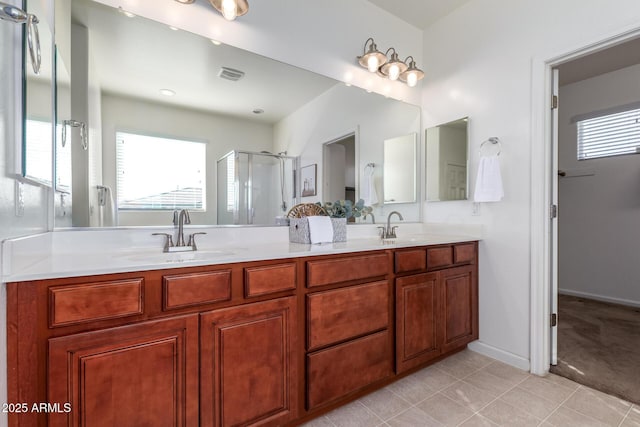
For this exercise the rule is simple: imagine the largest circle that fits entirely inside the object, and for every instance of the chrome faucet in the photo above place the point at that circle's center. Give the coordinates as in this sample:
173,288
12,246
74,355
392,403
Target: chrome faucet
373,218
180,218
183,218
389,232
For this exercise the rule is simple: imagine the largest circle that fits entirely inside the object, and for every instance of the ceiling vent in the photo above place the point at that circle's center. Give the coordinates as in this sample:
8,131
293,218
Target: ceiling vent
230,74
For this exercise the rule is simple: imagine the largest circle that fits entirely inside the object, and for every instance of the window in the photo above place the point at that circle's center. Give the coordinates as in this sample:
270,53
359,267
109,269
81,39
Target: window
609,135
37,151
160,173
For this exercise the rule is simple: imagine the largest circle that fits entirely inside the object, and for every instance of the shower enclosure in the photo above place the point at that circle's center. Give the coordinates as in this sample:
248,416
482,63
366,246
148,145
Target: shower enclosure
255,188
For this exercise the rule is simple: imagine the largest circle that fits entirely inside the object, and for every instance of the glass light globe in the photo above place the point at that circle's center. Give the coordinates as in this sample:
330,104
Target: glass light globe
229,9
372,63
394,72
412,79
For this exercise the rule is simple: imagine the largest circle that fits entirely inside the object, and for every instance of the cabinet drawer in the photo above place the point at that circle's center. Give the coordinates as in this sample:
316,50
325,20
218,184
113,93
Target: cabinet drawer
464,254
439,257
269,279
410,260
72,304
347,367
329,271
340,314
183,290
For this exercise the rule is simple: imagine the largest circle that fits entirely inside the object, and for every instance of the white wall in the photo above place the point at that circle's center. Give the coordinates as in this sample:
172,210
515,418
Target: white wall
338,112
599,221
222,134
478,63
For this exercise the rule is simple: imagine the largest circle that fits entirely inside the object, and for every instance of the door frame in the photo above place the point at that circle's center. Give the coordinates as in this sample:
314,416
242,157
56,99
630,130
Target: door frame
543,171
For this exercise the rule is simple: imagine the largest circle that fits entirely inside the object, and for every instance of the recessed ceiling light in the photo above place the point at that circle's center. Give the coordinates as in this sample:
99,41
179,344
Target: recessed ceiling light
125,13
216,42
173,28
258,111
167,92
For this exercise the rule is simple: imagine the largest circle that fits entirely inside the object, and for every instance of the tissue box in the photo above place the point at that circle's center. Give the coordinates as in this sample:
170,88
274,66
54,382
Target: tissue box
299,230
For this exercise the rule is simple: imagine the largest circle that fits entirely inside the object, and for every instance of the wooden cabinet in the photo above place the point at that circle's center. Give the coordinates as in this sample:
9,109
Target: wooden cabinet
418,335
142,374
248,370
437,312
263,343
459,296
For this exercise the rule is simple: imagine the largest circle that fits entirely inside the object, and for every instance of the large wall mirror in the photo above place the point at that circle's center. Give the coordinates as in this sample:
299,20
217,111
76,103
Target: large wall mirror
140,94
447,161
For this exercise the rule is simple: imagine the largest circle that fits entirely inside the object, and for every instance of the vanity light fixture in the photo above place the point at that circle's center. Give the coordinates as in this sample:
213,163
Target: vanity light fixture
392,68
230,9
372,59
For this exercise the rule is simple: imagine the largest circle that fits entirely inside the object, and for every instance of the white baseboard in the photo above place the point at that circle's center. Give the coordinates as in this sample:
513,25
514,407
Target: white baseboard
597,297
501,355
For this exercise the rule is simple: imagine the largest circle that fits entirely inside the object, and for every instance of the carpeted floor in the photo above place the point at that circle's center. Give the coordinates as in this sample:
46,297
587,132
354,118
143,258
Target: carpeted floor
599,346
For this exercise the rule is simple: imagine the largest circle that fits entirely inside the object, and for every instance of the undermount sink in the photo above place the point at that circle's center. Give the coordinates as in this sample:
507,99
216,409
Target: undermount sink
171,257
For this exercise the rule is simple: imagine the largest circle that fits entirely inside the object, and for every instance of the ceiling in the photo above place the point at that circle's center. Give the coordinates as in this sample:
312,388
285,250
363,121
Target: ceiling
419,13
188,64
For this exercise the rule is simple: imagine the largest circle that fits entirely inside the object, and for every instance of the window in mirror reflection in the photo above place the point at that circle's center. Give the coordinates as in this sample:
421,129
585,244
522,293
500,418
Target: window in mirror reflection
160,173
446,161
63,163
37,158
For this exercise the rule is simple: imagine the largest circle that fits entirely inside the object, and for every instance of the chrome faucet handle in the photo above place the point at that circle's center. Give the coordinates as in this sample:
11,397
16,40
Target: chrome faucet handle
168,243
176,215
192,240
383,231
392,232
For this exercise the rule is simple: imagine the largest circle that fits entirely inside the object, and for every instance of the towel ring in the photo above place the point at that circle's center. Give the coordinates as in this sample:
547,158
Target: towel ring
369,165
493,140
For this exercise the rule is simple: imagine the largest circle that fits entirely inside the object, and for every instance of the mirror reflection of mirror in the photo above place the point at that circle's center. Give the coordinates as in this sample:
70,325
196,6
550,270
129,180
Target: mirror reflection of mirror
400,169
447,161
37,145
116,88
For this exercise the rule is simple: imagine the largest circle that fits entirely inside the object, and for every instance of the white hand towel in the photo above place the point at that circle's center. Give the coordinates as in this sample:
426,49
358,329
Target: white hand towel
320,229
369,195
489,181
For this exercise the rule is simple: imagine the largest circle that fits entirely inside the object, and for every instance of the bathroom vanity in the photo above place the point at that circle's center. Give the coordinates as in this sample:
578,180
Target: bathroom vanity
259,342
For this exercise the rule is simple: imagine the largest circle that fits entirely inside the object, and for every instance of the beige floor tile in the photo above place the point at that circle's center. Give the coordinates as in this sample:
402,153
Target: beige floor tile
633,418
547,388
489,382
463,364
413,417
354,414
444,410
565,382
319,422
434,378
504,414
507,372
566,417
478,421
385,404
535,405
603,407
468,395
412,389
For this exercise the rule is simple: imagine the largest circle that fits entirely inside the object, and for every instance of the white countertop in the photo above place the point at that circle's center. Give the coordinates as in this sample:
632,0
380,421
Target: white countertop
56,255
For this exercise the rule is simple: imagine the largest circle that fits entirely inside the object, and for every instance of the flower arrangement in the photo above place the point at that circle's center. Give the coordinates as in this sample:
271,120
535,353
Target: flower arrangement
346,209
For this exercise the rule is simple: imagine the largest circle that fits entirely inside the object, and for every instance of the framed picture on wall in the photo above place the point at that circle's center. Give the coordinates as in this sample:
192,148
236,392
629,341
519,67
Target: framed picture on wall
308,176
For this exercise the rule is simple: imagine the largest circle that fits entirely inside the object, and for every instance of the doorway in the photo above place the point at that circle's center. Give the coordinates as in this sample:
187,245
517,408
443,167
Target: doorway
597,188
339,171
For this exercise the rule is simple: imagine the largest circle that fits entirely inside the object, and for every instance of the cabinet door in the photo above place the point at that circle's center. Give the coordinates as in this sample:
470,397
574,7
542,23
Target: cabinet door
248,370
417,309
140,375
459,296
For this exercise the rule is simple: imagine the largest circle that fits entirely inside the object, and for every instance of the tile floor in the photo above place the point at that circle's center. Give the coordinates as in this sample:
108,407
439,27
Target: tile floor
469,389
